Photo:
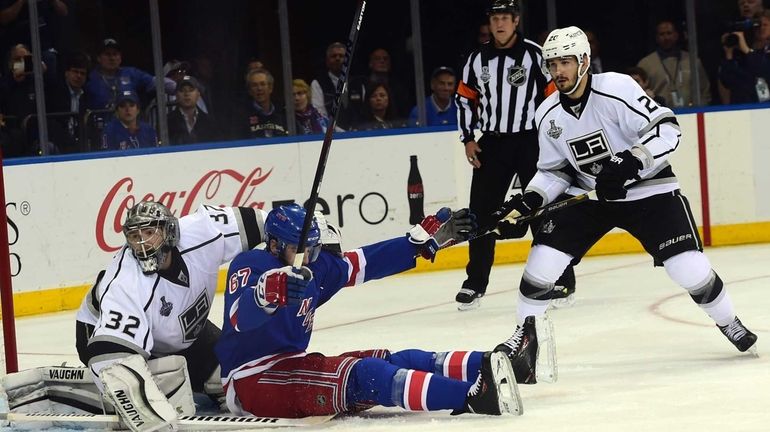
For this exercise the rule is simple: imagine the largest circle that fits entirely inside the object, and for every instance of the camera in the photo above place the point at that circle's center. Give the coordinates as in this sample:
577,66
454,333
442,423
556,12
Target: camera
746,26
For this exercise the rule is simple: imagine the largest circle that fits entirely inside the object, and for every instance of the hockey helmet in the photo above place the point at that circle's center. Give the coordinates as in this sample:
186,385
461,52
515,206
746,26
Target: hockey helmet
566,42
284,225
504,6
151,231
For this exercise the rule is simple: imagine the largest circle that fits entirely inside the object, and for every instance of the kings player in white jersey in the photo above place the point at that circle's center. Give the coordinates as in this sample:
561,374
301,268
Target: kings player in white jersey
154,298
603,132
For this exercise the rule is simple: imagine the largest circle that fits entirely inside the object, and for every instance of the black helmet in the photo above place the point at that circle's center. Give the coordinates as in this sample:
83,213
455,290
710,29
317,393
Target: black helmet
504,6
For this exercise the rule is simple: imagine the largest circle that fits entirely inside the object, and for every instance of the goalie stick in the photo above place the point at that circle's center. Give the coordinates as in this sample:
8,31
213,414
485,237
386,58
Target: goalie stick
321,167
185,423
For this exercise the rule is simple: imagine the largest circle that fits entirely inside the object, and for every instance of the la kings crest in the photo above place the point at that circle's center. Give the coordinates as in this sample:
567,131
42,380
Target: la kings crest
589,151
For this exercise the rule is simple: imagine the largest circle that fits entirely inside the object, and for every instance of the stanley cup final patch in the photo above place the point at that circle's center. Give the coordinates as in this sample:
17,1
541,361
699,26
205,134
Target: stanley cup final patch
517,76
554,131
485,76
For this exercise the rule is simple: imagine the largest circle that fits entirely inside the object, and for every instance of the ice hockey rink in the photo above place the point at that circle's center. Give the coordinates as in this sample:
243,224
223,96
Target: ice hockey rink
634,353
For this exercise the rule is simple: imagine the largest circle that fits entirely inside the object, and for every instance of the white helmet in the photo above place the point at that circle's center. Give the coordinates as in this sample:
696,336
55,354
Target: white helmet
566,42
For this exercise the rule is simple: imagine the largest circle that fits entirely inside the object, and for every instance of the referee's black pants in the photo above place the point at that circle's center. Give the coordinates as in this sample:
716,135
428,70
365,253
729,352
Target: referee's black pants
502,156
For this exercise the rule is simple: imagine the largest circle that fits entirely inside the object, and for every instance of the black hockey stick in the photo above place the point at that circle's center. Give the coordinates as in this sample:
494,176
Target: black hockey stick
542,211
319,171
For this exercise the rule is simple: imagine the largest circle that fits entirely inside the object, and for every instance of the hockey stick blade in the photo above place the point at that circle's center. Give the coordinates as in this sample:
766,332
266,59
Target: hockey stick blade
550,208
185,423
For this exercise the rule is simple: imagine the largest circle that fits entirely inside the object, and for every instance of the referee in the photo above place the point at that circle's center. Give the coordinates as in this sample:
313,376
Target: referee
501,85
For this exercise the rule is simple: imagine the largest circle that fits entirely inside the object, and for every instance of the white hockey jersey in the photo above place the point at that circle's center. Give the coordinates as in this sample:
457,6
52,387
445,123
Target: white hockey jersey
162,313
614,114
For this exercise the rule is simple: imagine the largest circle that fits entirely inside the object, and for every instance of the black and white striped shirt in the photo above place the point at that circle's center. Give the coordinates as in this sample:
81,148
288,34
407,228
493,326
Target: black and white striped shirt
501,88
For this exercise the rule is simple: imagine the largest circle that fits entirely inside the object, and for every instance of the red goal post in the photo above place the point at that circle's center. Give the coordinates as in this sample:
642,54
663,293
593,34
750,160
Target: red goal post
8,340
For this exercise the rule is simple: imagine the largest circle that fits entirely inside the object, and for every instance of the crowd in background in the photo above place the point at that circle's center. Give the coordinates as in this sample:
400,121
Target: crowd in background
97,100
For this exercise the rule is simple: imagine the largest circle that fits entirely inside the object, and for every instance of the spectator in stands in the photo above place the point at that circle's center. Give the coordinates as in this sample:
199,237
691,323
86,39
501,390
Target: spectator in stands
68,95
484,35
324,89
378,112
745,71
440,108
748,11
670,71
254,64
380,73
308,119
640,76
175,70
187,123
598,65
17,92
125,130
260,117
14,27
110,79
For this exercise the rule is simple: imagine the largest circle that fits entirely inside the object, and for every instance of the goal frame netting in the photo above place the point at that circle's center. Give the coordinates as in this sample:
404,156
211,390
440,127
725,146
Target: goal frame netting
8,340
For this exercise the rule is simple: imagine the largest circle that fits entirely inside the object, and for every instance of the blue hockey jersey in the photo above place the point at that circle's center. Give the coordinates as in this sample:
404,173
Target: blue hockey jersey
252,340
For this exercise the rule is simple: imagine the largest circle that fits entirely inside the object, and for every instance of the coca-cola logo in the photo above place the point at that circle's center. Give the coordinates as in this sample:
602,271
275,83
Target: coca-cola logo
214,187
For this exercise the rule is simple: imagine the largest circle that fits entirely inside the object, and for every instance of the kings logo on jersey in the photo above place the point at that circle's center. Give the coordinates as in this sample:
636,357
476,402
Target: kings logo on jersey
589,150
193,319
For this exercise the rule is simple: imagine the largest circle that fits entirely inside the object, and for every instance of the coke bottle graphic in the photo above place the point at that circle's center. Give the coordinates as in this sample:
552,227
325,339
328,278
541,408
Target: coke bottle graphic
415,192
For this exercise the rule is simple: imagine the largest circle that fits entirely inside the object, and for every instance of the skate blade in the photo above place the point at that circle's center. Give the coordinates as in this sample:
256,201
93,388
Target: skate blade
475,304
565,302
753,350
508,397
546,369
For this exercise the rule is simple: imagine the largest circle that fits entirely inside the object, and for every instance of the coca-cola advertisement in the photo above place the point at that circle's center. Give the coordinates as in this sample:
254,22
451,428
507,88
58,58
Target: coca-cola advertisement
67,216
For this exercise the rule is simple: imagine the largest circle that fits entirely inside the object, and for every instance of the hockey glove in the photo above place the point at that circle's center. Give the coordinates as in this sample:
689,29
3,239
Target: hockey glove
611,180
442,230
330,235
517,205
281,287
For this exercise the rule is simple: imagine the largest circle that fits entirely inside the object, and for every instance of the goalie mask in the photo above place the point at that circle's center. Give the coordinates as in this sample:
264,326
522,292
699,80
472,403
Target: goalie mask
568,42
151,232
284,225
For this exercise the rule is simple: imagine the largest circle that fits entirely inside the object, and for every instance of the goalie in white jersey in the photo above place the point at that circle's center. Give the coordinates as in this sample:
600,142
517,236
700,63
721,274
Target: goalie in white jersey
603,132
153,301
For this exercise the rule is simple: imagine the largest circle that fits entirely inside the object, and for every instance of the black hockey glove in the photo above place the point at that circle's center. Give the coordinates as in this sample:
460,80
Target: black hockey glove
442,230
611,180
517,205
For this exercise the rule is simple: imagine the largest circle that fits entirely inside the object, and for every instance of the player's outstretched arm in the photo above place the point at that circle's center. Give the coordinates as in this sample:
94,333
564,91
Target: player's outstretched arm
442,230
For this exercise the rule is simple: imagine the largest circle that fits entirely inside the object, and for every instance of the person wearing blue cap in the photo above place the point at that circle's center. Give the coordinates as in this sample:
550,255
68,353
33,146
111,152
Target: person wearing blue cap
125,130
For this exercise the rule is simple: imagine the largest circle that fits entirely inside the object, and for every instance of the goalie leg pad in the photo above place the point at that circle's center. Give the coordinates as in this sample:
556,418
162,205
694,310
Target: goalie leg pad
141,405
171,375
53,390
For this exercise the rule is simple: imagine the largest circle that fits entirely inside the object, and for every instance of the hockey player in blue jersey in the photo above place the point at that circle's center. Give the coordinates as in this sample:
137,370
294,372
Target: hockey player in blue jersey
269,310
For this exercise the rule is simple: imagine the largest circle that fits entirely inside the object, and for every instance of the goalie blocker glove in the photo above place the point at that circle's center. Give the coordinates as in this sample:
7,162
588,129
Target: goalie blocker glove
611,180
282,286
442,230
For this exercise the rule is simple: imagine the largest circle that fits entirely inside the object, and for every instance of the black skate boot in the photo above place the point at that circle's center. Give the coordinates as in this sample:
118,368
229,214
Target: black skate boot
563,294
468,298
739,335
521,349
495,391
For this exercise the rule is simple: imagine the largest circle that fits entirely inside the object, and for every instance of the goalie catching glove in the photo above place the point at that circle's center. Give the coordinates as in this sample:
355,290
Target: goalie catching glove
442,230
282,286
517,206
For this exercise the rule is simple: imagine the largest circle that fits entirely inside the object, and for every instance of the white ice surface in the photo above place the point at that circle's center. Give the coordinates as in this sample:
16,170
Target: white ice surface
635,353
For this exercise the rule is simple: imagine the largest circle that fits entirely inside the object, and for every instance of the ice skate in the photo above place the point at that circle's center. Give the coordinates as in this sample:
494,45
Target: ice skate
523,350
562,297
495,391
740,336
468,299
